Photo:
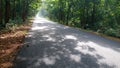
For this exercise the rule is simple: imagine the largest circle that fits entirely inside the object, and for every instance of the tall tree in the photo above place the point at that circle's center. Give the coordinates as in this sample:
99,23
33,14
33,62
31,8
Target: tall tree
7,10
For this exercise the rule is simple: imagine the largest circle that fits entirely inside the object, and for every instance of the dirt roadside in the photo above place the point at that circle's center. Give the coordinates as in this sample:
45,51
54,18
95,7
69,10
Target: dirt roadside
10,44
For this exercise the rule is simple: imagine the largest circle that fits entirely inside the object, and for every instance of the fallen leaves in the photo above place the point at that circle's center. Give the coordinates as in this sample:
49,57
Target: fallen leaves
6,65
10,44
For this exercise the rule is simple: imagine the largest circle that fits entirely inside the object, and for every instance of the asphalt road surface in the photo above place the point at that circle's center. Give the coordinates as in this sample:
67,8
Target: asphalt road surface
51,45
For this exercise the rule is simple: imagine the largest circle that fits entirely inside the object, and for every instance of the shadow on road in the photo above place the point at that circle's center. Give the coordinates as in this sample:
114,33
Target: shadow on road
53,45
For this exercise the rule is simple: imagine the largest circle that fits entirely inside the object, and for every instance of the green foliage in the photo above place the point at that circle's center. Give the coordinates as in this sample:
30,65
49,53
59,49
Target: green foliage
113,32
13,24
99,15
17,11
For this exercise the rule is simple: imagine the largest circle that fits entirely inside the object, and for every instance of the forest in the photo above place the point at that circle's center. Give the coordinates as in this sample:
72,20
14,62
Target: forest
16,11
102,16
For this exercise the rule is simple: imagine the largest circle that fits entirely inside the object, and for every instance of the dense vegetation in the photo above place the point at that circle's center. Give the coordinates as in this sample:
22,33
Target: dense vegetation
16,11
99,15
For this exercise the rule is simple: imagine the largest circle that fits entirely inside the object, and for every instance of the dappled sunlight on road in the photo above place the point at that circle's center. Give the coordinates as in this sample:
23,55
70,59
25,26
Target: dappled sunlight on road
76,58
70,37
39,28
108,55
57,46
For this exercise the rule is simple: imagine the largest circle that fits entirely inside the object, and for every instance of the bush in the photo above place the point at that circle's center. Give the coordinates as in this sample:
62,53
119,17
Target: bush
12,25
113,32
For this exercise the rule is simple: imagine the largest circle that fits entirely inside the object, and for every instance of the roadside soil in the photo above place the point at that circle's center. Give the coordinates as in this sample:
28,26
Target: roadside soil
11,42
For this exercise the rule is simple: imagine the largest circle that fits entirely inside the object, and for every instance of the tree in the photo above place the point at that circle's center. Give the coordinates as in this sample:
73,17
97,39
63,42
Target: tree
97,15
16,10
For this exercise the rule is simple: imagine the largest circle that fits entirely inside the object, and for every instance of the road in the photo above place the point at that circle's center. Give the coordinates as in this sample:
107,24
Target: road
52,45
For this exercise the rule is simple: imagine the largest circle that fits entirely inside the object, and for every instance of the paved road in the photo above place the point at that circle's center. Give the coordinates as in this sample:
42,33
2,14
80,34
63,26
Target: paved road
53,45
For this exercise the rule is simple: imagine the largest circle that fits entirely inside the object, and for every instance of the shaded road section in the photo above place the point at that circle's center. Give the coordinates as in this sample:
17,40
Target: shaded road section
51,45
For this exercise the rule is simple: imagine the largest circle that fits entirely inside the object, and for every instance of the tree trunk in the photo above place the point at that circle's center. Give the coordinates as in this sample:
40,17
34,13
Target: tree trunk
25,10
1,16
93,16
83,18
13,10
7,11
